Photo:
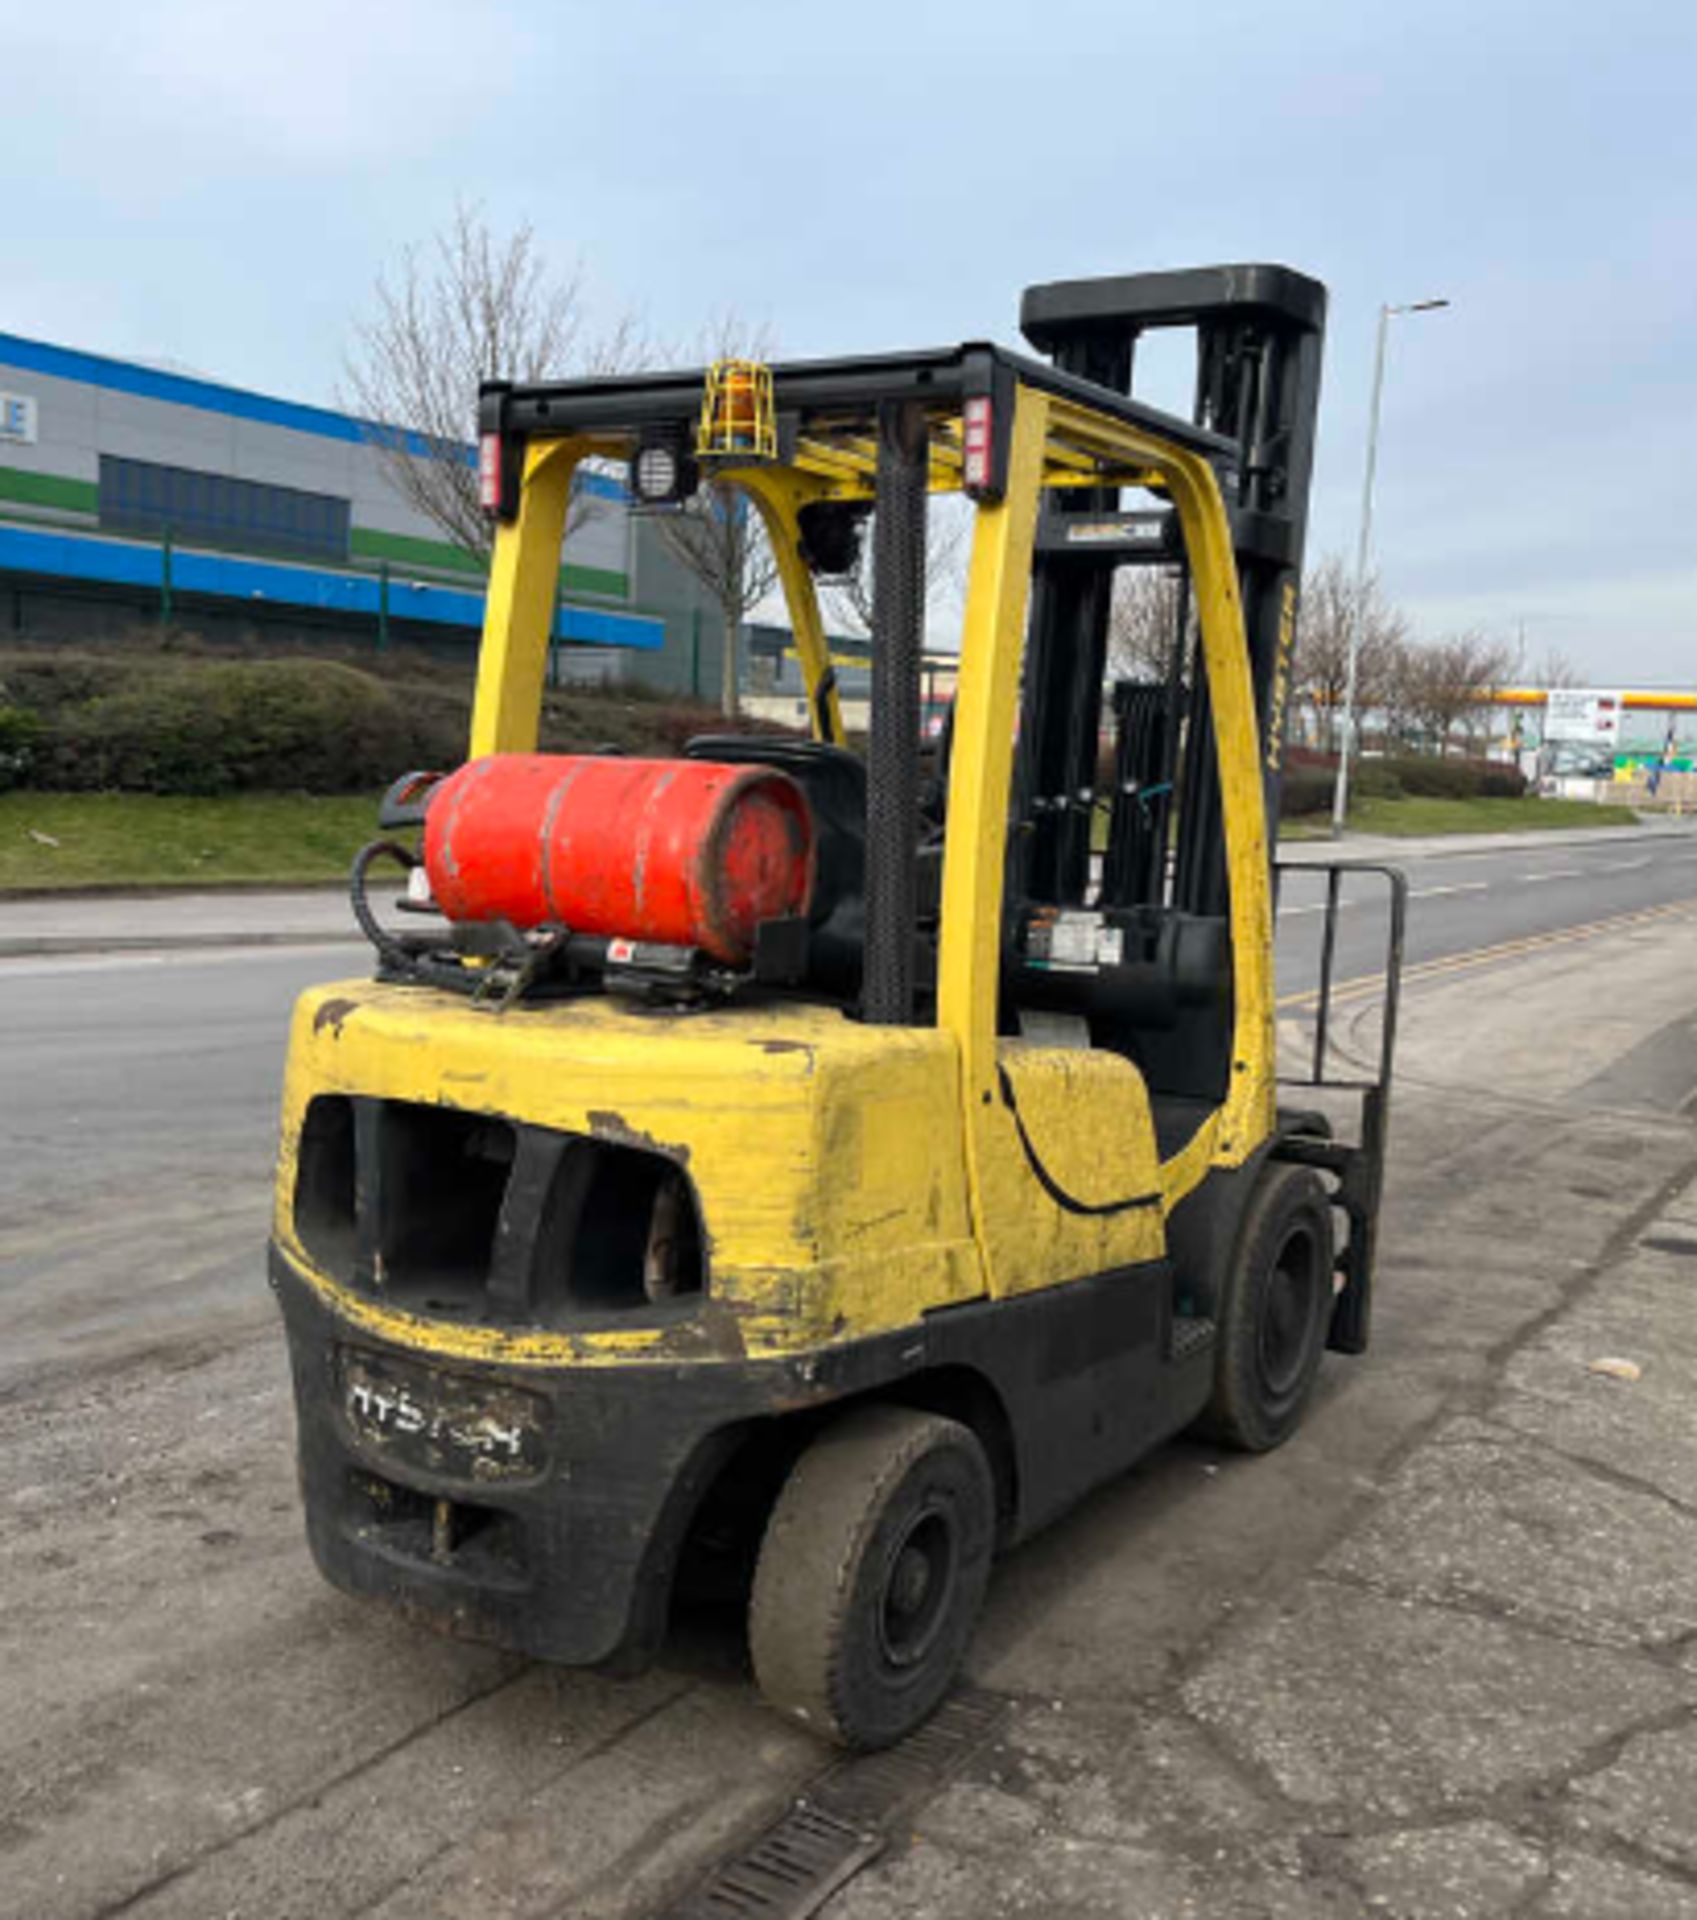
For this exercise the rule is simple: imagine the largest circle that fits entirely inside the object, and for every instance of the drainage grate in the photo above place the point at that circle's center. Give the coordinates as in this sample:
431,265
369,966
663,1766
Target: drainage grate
789,1872
840,1823
872,1789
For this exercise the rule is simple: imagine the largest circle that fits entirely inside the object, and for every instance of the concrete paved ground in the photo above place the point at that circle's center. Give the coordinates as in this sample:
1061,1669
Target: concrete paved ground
1436,1657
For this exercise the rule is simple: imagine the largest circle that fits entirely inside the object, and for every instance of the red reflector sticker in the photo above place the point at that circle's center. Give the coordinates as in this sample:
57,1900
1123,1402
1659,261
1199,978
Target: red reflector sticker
489,472
975,442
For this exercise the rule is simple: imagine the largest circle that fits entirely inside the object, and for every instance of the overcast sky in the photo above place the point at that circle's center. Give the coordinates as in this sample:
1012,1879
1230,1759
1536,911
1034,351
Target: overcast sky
216,185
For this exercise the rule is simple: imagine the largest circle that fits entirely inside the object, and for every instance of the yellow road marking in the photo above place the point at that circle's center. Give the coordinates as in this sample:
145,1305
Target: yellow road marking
1363,984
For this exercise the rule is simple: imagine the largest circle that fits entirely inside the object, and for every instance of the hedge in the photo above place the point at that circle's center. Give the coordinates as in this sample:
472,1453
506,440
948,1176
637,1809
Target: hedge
1304,790
188,722
1427,777
1394,776
231,727
136,722
19,732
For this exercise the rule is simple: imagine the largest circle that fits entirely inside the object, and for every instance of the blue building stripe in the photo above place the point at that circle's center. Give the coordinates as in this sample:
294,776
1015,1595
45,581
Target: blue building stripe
183,390
227,577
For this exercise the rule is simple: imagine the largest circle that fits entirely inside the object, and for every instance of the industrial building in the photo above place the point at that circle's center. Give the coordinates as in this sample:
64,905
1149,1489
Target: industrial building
133,493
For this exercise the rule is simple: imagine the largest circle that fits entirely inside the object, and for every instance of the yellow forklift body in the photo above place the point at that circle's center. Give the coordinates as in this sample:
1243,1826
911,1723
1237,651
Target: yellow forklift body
845,1231
796,1126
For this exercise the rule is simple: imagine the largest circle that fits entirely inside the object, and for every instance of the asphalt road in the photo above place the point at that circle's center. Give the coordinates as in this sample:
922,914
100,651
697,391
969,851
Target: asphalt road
194,1725
1459,902
135,1146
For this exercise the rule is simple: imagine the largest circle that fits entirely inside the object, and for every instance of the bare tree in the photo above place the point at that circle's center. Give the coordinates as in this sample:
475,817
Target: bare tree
1445,683
1143,621
720,538
471,305
1398,694
1326,613
719,535
1555,670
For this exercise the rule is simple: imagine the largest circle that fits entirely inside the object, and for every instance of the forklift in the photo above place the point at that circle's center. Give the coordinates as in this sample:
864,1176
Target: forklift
832,1160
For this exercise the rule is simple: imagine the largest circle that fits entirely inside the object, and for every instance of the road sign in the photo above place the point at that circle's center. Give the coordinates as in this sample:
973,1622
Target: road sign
1583,713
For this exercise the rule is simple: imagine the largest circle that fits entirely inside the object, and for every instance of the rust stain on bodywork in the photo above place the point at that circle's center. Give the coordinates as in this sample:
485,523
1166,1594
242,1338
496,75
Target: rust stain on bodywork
714,1333
331,1014
604,1124
785,1046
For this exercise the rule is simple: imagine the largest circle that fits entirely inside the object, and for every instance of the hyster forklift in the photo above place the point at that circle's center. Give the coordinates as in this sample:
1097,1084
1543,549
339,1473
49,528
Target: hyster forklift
840,1157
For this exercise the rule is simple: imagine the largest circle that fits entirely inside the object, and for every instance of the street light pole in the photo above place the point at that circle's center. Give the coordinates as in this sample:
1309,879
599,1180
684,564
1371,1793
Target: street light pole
1363,545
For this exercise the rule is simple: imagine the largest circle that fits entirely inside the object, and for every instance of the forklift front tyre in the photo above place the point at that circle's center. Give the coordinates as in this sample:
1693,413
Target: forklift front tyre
871,1574
1275,1305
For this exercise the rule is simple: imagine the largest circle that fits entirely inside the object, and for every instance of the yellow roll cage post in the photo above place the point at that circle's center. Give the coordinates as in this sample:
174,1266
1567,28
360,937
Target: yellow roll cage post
987,697
974,1170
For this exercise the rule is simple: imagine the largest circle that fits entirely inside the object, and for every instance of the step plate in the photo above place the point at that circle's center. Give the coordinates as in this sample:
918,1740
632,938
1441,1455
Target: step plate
1191,1336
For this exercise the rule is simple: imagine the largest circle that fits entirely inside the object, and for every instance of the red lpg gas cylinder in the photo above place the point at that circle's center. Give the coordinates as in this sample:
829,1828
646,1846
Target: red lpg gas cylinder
688,853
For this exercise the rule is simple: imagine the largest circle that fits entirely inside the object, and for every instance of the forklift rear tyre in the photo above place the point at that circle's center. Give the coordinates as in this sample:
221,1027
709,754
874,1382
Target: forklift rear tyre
871,1574
1275,1307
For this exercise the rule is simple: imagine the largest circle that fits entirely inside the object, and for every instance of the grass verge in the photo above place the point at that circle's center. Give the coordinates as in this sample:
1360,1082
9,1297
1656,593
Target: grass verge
1415,815
142,840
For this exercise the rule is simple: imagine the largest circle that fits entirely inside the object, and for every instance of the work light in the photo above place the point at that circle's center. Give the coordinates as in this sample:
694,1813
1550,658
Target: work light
663,473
